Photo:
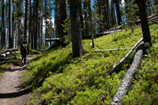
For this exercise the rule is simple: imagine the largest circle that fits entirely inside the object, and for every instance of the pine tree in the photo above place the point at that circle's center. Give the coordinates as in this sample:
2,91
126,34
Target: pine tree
77,46
26,18
10,25
3,42
118,12
144,21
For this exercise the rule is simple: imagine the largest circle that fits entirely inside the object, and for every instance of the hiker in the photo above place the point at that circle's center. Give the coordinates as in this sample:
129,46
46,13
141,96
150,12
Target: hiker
24,51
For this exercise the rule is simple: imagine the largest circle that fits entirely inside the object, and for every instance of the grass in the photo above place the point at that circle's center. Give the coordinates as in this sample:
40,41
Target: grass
58,79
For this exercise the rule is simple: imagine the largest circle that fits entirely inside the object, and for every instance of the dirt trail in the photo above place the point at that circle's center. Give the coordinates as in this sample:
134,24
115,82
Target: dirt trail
11,92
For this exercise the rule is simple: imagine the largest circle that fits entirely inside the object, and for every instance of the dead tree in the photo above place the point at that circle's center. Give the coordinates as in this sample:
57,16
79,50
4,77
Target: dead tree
128,78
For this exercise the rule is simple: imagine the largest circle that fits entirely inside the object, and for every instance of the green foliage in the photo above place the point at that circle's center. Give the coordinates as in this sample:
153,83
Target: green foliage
144,88
155,8
58,79
131,15
2,66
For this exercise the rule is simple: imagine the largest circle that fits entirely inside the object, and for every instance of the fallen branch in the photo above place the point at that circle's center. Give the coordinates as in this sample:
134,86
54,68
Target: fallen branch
95,47
2,62
52,39
128,78
8,50
7,58
100,34
125,57
113,49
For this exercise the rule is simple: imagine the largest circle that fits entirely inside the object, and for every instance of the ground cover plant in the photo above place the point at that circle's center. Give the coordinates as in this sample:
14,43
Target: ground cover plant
58,79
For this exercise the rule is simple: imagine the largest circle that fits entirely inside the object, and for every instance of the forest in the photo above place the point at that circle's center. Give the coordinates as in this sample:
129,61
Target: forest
81,52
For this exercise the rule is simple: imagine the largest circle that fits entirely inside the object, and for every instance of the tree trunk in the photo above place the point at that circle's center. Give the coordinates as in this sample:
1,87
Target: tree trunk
41,26
30,22
113,13
10,25
56,19
26,18
13,26
91,26
128,78
77,46
46,36
144,21
99,12
34,23
81,17
3,35
107,14
118,12
35,37
86,19
63,16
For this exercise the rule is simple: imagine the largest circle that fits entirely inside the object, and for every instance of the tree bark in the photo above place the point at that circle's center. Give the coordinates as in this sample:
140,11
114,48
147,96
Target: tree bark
144,21
36,23
26,18
118,12
41,27
113,13
128,78
63,16
81,17
10,25
3,35
107,14
56,19
86,17
99,12
91,25
30,22
77,46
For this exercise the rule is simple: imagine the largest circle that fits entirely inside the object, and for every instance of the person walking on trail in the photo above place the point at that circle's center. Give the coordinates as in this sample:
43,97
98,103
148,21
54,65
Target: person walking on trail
24,51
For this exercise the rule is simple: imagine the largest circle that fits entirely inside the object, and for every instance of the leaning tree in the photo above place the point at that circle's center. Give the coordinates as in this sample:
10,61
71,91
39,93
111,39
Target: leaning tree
144,21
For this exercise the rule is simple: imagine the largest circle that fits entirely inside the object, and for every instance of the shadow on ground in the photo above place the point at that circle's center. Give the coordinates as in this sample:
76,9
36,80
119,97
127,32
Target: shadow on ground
15,94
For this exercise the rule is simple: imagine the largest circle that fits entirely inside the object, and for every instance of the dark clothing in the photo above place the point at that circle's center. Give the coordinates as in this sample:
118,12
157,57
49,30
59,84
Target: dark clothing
24,58
24,52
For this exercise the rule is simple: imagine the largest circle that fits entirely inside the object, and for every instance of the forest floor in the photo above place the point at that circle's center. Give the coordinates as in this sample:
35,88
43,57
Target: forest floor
11,90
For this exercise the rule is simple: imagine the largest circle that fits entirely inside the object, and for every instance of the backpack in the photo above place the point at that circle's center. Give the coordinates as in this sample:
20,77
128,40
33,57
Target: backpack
24,47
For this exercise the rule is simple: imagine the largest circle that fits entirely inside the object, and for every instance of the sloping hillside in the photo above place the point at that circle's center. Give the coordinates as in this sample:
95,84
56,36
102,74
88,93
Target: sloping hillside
58,79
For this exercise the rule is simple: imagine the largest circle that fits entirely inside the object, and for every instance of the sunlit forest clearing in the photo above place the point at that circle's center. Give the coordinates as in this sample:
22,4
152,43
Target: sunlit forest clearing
78,52
58,78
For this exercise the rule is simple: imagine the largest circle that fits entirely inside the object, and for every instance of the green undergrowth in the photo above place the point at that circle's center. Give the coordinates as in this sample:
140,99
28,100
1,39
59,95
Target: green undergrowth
2,66
58,79
144,89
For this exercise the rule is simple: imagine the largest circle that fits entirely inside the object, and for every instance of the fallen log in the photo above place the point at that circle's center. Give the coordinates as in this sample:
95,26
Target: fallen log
7,58
150,18
125,57
100,34
2,62
128,78
113,49
8,50
52,39
118,27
